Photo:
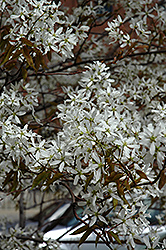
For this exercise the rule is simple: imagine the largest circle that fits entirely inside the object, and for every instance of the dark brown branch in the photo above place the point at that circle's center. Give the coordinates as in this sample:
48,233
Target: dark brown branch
126,170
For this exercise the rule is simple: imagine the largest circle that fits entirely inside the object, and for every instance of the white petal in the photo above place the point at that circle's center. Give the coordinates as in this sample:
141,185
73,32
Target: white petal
152,148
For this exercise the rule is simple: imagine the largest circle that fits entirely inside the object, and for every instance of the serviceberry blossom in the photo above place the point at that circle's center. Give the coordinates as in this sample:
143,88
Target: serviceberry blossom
82,105
41,23
108,126
13,104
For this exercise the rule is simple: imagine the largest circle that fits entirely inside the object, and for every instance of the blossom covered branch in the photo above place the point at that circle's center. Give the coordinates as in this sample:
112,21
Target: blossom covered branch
83,102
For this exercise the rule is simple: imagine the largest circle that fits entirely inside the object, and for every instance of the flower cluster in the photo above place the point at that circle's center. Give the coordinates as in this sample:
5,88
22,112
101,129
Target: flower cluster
100,119
42,23
13,238
13,104
138,17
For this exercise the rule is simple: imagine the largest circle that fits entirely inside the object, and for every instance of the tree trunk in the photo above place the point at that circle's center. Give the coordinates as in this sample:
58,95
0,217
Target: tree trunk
21,211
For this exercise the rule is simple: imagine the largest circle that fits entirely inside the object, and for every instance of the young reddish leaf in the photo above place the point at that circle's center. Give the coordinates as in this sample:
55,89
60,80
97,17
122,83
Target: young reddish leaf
2,45
136,181
37,62
160,38
80,230
114,235
41,58
162,180
28,57
130,49
23,167
10,65
137,241
142,174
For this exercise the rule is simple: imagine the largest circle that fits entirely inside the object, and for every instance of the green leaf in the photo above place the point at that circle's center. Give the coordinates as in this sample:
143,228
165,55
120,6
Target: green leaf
41,177
115,202
8,178
88,180
80,230
97,240
85,236
10,64
50,180
127,185
49,55
27,42
16,54
120,189
14,182
18,192
56,176
110,236
114,235
113,177
7,53
24,73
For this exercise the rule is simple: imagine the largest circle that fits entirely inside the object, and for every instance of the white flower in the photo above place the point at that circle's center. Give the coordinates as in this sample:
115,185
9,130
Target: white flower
151,138
96,215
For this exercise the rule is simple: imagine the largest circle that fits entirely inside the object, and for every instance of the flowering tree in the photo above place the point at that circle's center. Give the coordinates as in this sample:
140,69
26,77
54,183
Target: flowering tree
83,106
